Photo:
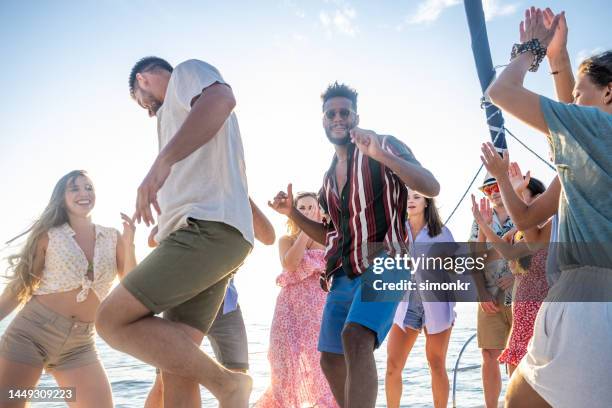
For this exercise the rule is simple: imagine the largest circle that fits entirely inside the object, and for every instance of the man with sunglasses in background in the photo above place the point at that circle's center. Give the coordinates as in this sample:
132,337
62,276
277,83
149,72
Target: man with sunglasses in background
365,194
495,312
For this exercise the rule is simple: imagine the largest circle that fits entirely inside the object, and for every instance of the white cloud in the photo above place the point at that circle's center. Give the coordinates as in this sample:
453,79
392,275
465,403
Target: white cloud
341,20
495,8
430,10
586,53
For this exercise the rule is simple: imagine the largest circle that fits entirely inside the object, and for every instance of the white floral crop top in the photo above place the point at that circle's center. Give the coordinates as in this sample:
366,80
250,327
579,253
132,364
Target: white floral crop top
66,265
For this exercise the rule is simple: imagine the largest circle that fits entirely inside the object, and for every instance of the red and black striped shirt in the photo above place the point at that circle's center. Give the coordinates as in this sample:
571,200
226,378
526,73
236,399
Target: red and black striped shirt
369,214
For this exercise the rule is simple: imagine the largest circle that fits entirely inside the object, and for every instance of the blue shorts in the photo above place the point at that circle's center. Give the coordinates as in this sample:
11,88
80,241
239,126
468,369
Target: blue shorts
415,314
345,305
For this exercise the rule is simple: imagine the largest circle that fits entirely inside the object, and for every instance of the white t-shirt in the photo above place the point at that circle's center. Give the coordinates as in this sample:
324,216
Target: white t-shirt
209,184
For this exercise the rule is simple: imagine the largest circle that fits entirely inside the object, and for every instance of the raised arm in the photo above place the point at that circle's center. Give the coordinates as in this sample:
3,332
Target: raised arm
507,250
126,250
558,58
264,231
283,204
524,216
508,92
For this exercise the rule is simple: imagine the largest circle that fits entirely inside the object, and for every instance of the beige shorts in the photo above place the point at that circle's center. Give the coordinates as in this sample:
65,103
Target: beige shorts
493,329
39,337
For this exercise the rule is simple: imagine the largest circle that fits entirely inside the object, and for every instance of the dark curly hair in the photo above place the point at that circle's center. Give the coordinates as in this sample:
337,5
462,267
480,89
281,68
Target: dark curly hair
147,64
334,90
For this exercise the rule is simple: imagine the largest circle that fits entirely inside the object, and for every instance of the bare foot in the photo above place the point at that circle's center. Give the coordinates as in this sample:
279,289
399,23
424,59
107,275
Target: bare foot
237,393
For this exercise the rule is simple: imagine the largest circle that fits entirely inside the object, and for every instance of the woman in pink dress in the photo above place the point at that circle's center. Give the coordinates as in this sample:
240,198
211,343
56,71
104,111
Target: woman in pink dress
297,380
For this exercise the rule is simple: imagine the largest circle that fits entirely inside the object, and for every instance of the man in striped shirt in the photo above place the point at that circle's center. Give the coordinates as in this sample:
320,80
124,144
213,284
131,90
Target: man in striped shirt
364,194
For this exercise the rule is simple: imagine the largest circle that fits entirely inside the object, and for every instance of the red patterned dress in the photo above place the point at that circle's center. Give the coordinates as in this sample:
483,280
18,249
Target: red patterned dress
296,379
530,290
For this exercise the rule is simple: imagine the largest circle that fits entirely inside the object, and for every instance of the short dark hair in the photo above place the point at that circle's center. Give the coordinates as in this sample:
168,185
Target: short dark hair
535,186
147,64
340,90
598,68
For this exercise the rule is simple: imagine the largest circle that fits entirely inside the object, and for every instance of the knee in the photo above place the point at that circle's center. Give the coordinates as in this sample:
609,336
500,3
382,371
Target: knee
437,362
358,339
327,363
104,322
394,369
490,356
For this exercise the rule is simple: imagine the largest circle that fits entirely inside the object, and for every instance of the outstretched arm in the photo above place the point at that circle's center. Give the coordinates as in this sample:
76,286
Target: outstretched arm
508,92
283,203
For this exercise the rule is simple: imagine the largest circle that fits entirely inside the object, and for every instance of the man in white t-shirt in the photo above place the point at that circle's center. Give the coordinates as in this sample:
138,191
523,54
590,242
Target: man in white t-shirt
198,187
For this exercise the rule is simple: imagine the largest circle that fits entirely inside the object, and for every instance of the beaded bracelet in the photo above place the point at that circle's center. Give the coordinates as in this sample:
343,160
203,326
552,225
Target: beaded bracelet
533,46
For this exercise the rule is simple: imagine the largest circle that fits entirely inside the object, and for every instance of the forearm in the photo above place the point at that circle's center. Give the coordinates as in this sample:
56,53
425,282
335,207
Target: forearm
8,303
207,116
313,229
561,69
294,255
503,248
516,207
129,259
414,176
264,231
510,80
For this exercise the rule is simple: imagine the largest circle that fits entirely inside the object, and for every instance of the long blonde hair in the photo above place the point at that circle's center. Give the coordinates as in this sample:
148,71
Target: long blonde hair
22,279
292,228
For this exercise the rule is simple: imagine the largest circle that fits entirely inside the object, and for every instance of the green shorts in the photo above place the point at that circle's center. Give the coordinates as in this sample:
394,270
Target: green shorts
187,274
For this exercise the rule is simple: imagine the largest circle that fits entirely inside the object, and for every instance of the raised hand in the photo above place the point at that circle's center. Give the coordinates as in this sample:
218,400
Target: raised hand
534,26
496,166
558,44
147,192
368,142
519,183
483,213
129,229
283,202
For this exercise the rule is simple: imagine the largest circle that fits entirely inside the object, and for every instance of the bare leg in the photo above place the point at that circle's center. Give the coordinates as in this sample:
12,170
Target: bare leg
399,345
491,377
90,383
180,391
126,325
511,369
520,394
436,347
155,399
361,382
16,376
334,368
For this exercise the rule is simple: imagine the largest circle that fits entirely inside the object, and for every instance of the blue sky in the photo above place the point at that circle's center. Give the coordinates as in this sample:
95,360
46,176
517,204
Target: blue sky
65,68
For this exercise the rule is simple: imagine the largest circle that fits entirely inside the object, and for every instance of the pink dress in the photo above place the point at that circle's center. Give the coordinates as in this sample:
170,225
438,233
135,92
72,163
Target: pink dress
297,380
531,289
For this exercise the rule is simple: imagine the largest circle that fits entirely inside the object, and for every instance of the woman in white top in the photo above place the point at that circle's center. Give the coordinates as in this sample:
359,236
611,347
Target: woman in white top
66,267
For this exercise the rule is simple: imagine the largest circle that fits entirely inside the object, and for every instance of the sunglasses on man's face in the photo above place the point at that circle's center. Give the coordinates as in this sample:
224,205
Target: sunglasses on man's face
490,189
344,113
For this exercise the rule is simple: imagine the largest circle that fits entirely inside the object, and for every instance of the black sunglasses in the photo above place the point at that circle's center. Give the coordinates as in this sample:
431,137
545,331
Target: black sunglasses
344,113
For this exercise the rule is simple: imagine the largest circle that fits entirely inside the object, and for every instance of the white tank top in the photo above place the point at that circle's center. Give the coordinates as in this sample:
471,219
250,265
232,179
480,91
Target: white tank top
66,265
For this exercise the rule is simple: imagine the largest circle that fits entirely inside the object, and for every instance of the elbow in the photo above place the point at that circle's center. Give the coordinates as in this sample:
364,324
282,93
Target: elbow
269,239
435,188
